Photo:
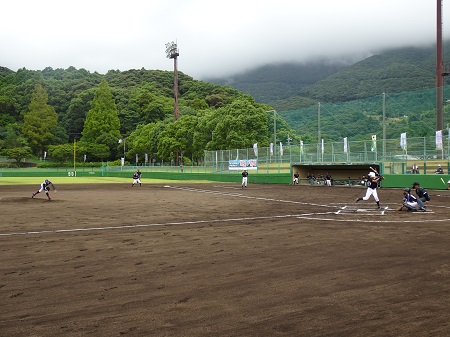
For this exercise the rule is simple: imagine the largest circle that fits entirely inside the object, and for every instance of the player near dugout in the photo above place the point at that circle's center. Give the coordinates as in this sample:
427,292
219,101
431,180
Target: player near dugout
295,181
372,186
45,186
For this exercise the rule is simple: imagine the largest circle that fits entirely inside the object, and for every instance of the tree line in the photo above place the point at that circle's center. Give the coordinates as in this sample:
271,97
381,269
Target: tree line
44,112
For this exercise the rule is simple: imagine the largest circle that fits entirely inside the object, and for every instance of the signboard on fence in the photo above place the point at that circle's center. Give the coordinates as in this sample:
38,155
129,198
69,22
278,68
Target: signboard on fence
244,164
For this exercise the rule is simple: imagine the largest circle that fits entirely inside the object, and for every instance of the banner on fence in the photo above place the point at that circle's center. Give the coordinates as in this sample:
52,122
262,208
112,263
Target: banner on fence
439,144
373,148
403,141
247,164
255,149
345,145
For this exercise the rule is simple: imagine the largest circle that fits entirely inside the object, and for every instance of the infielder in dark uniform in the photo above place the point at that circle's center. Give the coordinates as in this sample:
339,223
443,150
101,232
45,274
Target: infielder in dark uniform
45,186
136,178
372,185
244,178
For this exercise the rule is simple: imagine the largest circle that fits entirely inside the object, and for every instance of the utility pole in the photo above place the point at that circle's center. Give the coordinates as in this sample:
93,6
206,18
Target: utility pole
274,135
439,70
319,143
384,127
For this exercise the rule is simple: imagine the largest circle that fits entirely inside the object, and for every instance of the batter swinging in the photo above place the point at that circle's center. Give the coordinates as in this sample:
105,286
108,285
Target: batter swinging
372,185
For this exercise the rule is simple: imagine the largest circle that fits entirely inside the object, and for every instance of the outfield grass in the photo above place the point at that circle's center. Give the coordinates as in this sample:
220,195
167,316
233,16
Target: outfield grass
82,180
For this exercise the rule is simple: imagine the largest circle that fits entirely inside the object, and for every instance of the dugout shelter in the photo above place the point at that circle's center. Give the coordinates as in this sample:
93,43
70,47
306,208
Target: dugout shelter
340,173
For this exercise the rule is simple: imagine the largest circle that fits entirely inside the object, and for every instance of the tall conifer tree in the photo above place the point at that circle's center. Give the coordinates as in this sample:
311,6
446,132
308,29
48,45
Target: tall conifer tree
102,125
40,121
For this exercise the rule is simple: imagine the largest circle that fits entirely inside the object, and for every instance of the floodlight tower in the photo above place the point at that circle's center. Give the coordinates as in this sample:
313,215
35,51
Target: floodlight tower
172,53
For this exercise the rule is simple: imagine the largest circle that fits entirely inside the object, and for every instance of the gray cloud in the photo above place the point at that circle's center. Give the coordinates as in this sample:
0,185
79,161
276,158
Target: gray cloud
215,37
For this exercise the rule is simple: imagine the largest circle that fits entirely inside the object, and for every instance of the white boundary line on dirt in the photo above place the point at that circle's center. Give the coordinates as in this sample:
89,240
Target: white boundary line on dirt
308,216
382,211
89,229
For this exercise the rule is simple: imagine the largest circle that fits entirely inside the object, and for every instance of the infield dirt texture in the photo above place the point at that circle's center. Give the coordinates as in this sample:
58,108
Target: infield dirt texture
217,260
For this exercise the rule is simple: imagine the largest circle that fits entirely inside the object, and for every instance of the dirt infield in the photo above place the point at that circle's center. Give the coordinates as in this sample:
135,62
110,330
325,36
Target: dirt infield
218,260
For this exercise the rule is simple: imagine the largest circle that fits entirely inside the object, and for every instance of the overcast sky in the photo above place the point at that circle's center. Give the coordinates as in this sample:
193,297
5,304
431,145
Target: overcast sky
214,37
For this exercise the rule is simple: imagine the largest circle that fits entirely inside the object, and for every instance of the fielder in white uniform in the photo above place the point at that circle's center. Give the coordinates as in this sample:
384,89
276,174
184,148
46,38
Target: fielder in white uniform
45,186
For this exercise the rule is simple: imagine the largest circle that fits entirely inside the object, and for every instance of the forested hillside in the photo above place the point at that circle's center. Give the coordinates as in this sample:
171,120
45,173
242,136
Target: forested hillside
412,112
42,112
400,70
280,81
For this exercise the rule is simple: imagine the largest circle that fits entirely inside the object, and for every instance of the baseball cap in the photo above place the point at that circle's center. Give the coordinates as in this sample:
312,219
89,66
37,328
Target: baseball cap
415,183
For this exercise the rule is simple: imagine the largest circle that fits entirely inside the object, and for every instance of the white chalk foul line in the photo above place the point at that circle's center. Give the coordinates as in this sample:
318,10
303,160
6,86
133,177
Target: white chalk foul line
196,222
240,195
369,220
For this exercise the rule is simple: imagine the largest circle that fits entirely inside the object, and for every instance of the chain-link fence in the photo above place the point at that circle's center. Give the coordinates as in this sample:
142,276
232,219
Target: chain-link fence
394,155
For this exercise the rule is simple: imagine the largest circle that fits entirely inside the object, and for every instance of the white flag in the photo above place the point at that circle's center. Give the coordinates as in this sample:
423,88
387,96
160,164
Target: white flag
255,149
45,154
281,149
137,158
439,140
271,149
301,146
322,146
146,157
84,158
403,140
345,145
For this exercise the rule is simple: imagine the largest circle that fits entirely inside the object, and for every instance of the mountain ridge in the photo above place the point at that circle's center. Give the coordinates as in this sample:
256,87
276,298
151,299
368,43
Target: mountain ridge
393,70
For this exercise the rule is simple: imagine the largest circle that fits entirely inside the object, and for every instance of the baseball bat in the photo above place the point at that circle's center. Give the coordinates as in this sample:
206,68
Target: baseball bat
373,169
443,181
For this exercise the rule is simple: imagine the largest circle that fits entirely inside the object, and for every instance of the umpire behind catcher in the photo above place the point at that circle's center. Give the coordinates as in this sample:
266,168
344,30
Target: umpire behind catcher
422,195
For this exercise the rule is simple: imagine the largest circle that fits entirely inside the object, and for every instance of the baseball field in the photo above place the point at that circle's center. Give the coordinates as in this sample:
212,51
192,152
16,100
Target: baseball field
210,259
